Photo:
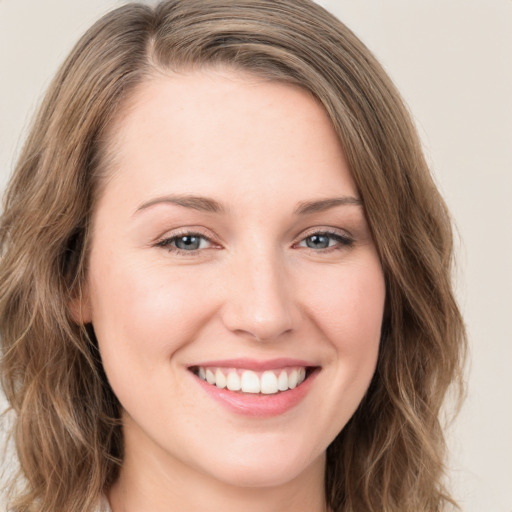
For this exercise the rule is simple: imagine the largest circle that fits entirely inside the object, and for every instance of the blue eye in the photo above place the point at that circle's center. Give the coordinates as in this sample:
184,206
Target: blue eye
188,242
320,241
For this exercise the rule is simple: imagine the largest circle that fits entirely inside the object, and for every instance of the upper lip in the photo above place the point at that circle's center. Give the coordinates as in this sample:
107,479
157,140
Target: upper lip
255,364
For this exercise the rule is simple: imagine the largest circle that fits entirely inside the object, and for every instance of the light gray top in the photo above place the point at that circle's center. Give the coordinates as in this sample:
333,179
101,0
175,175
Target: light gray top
103,505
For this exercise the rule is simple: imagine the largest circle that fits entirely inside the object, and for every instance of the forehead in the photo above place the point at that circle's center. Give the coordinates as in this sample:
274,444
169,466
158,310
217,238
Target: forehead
209,128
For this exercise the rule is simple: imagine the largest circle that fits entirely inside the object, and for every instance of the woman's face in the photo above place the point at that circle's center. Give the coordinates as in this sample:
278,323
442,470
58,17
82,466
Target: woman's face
230,244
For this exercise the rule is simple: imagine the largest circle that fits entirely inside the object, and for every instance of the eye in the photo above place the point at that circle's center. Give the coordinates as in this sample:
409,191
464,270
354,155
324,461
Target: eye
186,242
325,240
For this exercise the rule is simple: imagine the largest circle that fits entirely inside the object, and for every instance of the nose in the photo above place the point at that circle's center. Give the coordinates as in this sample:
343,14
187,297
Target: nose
259,302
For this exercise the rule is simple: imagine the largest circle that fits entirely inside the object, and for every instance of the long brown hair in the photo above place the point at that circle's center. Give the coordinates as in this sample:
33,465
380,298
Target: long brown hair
390,456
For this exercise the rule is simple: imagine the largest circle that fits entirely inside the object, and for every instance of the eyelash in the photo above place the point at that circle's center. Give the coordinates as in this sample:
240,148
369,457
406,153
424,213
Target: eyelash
342,241
168,243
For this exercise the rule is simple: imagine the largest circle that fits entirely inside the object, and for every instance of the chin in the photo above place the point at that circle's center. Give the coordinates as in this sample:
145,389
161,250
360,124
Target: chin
277,468
247,476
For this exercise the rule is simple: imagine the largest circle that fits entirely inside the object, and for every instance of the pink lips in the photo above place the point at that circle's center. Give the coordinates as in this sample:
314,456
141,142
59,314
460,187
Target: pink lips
259,405
253,364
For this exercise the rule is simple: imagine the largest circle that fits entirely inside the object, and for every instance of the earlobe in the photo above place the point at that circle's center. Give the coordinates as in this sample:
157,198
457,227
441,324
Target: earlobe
80,306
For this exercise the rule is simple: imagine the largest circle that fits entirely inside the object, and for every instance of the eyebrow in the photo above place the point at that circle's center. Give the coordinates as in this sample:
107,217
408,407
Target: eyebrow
203,204
209,205
321,205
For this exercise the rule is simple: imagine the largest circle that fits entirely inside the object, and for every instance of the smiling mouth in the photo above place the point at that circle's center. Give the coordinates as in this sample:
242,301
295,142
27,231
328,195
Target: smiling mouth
266,382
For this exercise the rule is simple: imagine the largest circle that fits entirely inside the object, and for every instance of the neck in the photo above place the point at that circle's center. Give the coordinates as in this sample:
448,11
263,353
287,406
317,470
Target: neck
147,483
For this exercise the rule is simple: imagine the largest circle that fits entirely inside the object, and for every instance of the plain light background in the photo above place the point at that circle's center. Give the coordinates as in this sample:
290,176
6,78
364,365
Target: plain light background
452,61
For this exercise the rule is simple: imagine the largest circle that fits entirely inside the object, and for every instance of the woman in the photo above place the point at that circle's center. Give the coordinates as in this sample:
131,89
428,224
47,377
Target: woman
225,277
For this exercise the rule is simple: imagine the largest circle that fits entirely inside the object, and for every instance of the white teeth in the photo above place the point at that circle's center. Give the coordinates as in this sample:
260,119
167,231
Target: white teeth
269,382
210,377
293,379
233,381
250,382
220,379
282,381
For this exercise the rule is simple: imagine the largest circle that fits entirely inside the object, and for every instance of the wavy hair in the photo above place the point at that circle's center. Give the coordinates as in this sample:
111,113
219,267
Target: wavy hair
67,431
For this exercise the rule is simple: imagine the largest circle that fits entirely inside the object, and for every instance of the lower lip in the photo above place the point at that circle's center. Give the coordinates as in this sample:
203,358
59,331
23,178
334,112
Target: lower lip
259,405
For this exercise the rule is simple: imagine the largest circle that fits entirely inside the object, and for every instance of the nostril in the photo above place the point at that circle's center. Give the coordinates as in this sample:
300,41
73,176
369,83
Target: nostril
259,307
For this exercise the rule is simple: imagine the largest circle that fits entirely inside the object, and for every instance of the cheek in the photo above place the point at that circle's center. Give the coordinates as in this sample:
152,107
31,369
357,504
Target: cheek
349,313
142,315
349,309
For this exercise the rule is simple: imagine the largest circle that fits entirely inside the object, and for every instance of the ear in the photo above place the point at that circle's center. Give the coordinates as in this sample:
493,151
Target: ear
80,305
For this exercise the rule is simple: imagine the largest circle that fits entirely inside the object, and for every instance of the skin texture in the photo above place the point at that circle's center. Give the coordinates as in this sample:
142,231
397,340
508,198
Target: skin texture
253,289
